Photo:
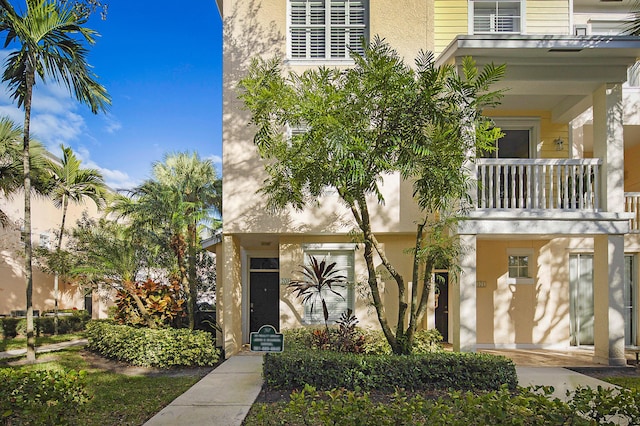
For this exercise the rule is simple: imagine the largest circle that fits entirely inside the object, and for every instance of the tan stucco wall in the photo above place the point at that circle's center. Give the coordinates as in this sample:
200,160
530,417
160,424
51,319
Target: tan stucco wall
45,219
523,314
253,29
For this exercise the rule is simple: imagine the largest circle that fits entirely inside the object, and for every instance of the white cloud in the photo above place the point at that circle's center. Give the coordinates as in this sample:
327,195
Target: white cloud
112,124
215,159
115,179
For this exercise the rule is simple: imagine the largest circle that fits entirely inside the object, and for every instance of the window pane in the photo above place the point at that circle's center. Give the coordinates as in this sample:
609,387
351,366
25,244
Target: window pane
264,263
317,43
336,305
514,144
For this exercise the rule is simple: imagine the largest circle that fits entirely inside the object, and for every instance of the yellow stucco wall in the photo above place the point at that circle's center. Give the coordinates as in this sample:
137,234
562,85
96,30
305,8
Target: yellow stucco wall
45,219
523,314
631,169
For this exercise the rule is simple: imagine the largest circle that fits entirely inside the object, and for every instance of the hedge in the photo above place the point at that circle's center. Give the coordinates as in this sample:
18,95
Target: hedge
326,370
40,397
163,348
12,327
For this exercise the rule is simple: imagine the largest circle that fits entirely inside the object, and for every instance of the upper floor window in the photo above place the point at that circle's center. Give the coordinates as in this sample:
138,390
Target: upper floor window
326,29
496,16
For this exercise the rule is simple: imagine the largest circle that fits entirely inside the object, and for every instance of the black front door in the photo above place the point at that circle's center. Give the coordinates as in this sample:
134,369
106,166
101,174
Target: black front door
264,299
442,304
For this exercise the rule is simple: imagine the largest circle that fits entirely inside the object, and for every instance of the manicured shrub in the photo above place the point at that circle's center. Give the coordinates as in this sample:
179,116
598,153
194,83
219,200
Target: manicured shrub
41,397
530,406
358,340
163,348
74,323
437,370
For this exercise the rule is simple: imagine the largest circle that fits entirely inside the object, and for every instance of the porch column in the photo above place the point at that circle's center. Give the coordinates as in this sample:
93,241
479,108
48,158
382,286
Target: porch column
608,145
229,294
608,299
463,298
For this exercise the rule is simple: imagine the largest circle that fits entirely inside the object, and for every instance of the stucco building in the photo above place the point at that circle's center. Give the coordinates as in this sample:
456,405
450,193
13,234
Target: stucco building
552,240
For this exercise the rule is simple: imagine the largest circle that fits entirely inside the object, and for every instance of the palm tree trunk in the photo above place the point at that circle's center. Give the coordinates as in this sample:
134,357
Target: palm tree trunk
28,272
65,205
193,289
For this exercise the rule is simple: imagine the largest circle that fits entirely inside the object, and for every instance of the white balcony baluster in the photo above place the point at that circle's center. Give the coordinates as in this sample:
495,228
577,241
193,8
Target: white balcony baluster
534,184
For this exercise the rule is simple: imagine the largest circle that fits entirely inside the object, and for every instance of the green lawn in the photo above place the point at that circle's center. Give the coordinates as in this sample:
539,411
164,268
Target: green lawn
632,383
116,399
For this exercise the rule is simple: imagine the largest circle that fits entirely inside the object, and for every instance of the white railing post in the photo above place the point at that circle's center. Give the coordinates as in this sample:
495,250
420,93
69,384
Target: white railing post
535,184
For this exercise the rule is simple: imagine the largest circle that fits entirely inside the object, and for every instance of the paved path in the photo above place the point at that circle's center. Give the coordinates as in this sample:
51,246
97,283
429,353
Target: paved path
562,379
42,349
222,398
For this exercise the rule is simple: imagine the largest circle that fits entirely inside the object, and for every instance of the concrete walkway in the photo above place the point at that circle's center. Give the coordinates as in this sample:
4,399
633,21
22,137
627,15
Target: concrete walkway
222,398
562,379
42,349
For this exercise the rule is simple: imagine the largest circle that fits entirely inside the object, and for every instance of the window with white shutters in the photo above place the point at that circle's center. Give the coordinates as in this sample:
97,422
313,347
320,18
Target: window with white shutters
326,29
496,16
336,305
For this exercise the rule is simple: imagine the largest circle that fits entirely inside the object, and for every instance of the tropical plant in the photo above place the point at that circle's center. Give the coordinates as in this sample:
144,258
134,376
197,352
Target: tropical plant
163,303
11,167
71,183
318,278
633,27
50,41
110,254
183,196
362,124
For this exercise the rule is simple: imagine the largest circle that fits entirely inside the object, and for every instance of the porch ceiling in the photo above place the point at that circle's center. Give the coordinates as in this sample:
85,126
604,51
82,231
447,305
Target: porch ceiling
553,73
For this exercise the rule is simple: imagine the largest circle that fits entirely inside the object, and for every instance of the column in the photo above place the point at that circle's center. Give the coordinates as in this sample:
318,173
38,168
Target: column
608,145
229,294
463,298
608,299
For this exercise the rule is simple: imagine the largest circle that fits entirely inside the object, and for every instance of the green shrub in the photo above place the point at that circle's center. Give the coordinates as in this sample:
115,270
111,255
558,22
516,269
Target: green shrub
41,397
436,370
525,406
374,342
12,327
164,348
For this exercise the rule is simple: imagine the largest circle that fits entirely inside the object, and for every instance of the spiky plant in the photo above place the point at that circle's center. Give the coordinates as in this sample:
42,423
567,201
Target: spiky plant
317,278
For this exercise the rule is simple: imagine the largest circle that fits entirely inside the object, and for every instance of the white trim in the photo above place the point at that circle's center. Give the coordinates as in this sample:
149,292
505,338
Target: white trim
523,123
245,256
532,267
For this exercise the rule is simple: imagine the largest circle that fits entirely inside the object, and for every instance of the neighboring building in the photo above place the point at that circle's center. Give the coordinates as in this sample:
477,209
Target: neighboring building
553,259
45,223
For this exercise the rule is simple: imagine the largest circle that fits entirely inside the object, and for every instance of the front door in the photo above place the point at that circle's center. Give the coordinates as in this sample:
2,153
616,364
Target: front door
264,293
629,301
442,304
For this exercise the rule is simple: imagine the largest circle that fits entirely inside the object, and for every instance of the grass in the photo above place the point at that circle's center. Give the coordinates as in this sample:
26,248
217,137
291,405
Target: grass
116,399
632,383
21,342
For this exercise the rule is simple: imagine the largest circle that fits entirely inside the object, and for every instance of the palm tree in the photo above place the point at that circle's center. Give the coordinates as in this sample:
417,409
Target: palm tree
11,175
72,183
633,27
50,41
183,195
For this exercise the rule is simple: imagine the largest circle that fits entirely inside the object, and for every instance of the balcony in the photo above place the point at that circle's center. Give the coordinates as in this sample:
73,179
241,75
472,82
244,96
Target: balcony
632,205
538,184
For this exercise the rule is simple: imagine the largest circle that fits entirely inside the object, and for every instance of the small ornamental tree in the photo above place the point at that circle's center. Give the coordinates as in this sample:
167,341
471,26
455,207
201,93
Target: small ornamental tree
362,124
164,304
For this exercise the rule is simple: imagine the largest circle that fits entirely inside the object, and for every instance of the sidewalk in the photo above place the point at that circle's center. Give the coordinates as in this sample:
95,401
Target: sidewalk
562,379
43,349
222,398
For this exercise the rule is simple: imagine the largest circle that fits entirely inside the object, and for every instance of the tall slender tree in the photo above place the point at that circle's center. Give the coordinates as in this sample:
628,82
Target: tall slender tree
72,183
50,42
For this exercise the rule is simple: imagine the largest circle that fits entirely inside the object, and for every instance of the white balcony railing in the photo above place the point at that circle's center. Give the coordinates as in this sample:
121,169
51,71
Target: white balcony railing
632,205
535,184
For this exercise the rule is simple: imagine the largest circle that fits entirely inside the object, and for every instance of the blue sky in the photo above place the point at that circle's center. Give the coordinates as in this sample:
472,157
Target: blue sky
162,66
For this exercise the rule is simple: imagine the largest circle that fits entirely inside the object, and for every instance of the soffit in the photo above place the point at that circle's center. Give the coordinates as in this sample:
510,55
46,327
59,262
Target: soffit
548,72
